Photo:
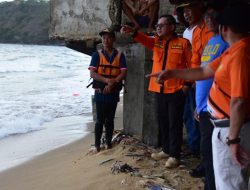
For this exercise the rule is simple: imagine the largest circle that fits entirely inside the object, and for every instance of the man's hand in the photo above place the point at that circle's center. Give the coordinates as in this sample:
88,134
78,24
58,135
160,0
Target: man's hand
128,30
239,156
160,76
107,89
111,83
185,89
196,115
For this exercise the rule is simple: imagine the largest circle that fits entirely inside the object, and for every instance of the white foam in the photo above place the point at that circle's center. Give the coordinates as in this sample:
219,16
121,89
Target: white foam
18,149
38,84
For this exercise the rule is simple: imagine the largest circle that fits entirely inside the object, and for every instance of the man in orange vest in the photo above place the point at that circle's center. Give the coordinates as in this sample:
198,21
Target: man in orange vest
169,52
229,99
108,69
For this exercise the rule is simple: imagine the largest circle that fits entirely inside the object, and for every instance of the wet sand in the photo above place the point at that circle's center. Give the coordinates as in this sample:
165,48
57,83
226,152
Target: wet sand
71,168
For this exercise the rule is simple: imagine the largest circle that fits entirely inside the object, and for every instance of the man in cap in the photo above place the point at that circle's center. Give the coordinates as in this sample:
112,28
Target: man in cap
229,99
108,69
198,34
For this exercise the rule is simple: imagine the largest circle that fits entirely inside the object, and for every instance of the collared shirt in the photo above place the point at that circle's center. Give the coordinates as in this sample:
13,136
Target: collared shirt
172,54
232,79
201,36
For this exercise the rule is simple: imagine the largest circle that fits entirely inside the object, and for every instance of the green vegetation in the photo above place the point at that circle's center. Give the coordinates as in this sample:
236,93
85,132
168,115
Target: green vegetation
24,22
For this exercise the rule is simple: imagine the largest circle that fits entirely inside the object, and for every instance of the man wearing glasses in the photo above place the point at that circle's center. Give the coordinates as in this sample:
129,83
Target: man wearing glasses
169,52
229,98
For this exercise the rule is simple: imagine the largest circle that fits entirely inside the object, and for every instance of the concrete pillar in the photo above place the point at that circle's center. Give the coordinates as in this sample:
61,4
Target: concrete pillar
139,104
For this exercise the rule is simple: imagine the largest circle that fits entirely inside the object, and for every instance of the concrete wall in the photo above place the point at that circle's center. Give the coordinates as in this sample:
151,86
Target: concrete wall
82,19
139,104
78,19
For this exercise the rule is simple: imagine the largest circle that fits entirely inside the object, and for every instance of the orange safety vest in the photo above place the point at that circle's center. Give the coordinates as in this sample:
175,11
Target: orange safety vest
108,69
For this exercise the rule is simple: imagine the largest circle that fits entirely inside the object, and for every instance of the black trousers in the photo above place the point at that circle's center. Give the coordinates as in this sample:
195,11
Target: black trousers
206,131
105,113
170,112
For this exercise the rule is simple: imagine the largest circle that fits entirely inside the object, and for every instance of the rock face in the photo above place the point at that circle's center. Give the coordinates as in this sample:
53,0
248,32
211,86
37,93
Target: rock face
78,19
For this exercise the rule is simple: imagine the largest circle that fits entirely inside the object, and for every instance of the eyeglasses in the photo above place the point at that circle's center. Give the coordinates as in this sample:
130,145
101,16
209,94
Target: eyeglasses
161,25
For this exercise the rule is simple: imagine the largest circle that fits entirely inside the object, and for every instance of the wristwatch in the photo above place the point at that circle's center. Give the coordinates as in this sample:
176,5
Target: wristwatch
232,141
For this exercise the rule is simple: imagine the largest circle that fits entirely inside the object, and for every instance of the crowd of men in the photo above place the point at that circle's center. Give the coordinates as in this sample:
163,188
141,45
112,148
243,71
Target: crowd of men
213,51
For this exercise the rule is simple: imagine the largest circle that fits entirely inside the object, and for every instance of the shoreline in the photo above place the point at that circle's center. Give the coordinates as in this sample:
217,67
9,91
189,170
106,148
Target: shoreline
70,167
21,148
65,168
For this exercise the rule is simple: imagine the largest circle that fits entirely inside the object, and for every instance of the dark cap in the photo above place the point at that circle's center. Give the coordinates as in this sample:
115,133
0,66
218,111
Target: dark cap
188,4
107,31
236,15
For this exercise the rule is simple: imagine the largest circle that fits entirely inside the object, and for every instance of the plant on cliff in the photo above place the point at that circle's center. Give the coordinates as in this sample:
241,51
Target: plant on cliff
24,22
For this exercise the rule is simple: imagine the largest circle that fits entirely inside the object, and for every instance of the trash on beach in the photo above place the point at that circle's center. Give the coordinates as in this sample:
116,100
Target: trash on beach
158,187
152,185
119,167
133,155
105,161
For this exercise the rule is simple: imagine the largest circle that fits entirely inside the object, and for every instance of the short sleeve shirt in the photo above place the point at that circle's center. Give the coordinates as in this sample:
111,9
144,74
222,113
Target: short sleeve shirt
232,79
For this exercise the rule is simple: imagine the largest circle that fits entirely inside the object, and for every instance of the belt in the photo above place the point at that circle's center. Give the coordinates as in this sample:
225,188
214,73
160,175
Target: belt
221,123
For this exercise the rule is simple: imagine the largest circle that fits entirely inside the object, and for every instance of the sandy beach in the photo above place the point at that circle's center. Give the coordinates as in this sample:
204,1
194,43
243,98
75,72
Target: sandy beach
72,168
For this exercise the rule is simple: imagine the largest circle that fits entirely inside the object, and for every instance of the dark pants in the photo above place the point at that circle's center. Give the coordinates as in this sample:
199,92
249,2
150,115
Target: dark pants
191,125
170,111
206,131
105,113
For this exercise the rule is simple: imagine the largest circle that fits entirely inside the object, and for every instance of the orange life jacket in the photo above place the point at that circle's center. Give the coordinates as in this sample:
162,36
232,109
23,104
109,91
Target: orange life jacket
107,69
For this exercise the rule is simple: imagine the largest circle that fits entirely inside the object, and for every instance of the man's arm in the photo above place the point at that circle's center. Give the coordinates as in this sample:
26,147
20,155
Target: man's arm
96,76
195,74
145,40
237,118
121,76
140,37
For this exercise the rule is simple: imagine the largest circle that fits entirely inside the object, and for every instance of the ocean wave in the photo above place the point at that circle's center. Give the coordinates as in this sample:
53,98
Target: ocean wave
48,84
20,126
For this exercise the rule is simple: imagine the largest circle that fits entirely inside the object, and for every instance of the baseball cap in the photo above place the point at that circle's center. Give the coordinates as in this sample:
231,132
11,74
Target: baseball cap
107,31
187,4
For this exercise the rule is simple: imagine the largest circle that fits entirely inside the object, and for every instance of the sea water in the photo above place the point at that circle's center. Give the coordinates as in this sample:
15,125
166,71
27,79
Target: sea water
39,85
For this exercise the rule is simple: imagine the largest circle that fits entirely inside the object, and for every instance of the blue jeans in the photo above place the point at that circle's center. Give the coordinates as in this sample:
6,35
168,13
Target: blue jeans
191,125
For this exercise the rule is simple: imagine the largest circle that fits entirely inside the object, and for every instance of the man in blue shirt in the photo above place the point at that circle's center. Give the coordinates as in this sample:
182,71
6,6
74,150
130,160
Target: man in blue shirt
108,69
214,48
